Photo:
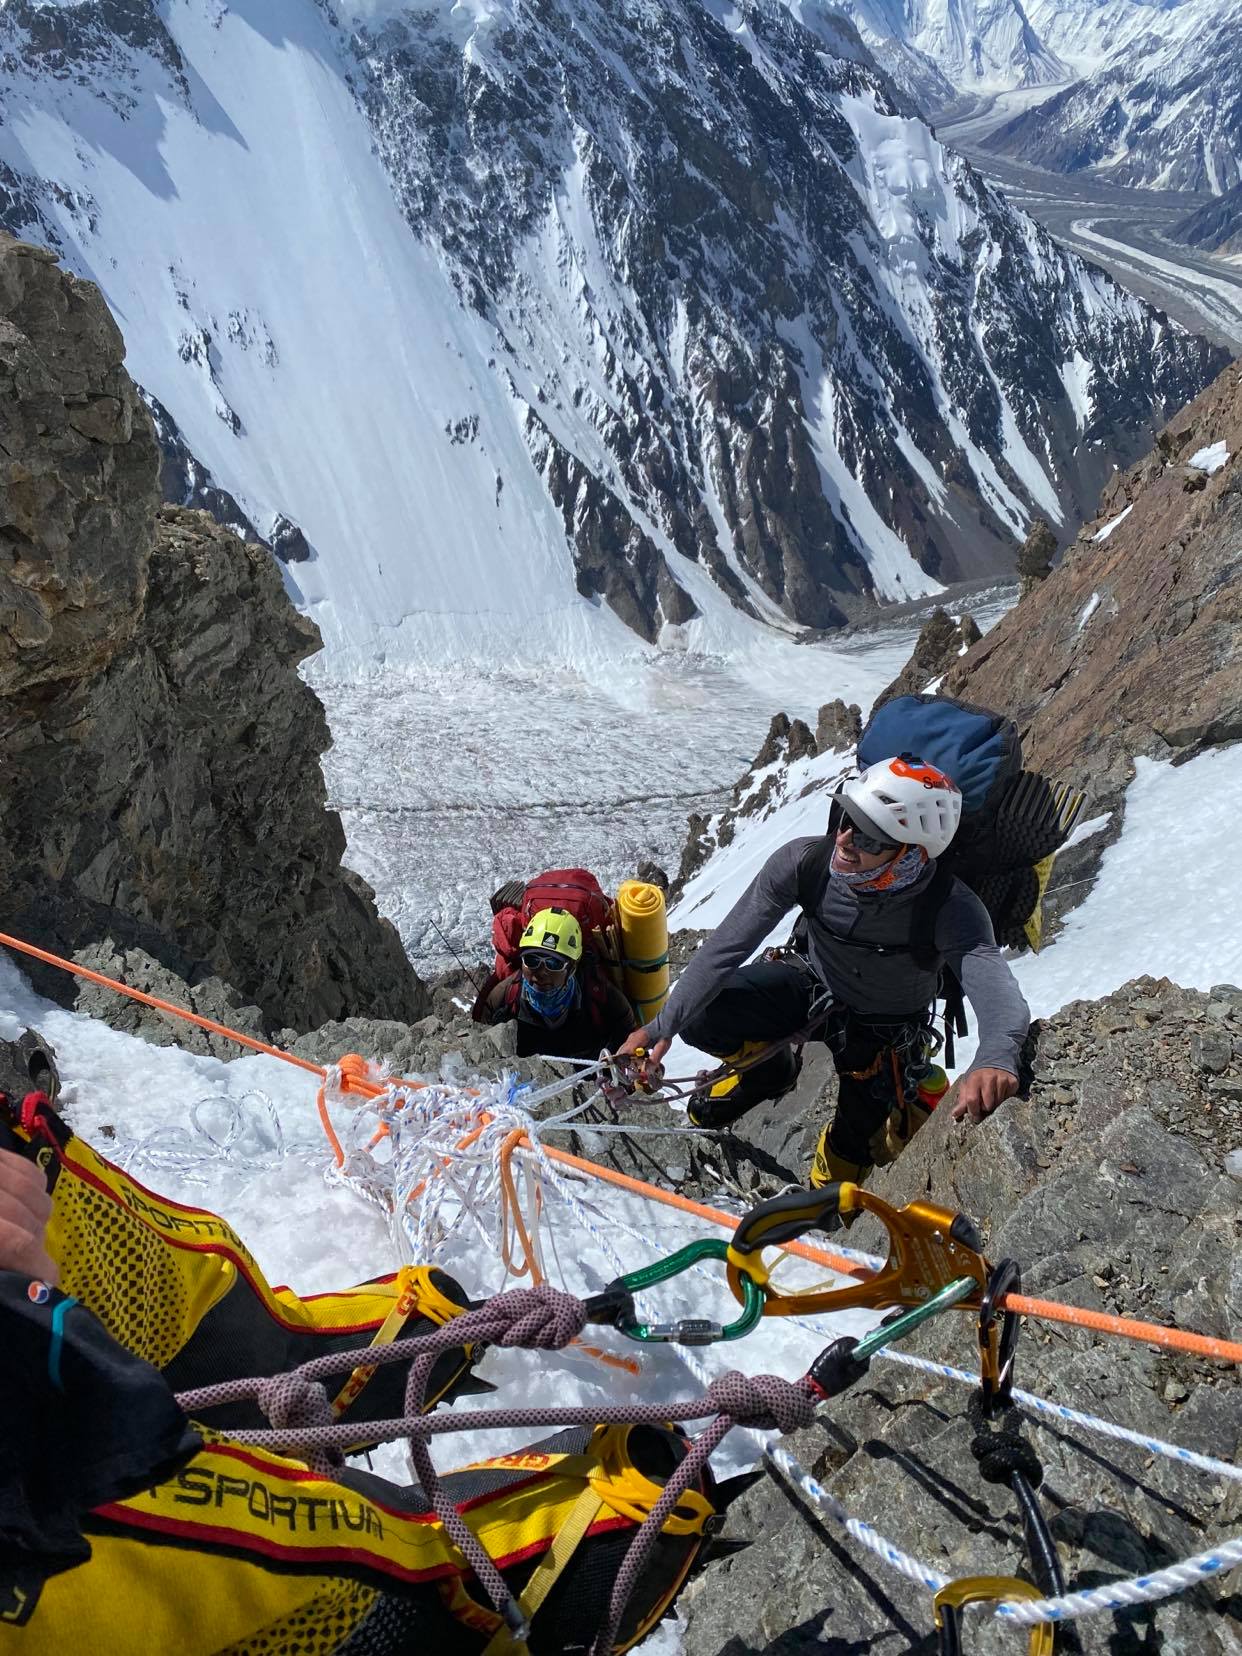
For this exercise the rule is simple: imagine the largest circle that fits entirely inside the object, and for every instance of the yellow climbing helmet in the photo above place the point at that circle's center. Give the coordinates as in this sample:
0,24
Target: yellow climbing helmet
556,931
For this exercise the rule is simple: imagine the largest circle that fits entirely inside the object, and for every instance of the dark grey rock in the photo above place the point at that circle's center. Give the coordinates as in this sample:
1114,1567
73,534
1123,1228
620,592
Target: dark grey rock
209,998
288,542
162,784
28,1064
1212,1053
1119,1204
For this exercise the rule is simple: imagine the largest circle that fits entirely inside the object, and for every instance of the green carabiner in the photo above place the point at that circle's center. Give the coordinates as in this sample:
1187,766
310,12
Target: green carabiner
691,1330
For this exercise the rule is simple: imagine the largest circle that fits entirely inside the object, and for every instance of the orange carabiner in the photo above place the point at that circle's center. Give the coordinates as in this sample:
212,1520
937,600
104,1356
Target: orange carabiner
928,1248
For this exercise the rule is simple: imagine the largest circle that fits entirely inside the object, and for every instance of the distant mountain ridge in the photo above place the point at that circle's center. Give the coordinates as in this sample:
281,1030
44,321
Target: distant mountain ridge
552,325
1216,226
1142,94
1163,111
939,49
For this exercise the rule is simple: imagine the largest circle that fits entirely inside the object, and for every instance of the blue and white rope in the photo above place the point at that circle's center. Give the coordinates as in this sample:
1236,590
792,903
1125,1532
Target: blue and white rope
795,1473
1075,1417
1120,1595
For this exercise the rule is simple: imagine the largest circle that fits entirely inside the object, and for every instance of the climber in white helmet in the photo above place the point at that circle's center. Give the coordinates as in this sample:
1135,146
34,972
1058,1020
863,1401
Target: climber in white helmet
878,925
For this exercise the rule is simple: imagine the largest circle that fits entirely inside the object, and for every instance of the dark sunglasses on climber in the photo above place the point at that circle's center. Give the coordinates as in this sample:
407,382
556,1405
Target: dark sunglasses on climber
541,960
863,841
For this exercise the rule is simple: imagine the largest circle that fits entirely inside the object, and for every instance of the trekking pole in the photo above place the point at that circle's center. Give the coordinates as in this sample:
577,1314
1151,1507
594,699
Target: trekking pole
478,986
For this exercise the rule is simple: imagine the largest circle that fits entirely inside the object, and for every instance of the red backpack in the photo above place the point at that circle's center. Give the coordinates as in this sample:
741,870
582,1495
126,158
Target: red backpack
580,893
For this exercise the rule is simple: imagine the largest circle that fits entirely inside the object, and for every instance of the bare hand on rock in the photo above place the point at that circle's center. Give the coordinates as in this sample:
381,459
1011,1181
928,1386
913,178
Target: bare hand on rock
25,1208
981,1091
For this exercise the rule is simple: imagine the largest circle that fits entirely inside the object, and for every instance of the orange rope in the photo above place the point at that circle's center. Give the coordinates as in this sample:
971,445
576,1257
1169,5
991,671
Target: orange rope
510,1205
715,1216
161,1005
1103,1322
354,1079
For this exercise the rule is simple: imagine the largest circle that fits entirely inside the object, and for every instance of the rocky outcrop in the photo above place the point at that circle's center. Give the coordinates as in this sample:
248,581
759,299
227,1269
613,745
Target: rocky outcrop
838,726
939,645
209,998
28,1064
1134,644
185,481
1216,226
1109,1184
77,481
163,788
764,781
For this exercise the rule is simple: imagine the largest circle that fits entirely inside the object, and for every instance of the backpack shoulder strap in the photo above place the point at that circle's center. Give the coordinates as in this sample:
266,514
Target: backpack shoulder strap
925,913
595,986
923,948
813,873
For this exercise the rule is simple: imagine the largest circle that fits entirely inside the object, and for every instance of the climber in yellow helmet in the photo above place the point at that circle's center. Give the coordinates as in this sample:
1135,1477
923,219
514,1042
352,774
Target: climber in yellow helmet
562,1002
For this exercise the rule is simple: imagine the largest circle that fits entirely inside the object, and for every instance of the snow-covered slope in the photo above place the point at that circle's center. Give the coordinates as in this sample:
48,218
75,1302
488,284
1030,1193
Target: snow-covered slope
1163,109
551,325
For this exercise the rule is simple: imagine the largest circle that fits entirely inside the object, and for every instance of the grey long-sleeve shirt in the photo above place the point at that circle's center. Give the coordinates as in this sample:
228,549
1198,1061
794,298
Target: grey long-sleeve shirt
872,984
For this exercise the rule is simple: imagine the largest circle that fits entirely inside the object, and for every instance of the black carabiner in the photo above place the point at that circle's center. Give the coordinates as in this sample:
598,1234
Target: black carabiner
997,1348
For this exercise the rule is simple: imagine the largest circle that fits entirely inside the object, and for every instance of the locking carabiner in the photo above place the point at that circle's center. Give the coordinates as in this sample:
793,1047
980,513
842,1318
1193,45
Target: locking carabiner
689,1330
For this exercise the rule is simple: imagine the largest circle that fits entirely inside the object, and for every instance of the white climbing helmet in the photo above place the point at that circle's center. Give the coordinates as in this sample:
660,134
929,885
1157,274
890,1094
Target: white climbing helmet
903,801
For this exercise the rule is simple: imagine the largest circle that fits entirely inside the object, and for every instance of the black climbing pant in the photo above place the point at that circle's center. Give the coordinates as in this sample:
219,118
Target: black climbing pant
875,1058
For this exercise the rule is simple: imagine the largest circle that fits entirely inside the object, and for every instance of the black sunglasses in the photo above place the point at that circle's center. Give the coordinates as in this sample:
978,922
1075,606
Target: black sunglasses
864,841
540,960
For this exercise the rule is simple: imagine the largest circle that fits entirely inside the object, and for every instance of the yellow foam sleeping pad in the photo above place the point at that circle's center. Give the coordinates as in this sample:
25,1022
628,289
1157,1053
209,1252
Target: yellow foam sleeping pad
643,920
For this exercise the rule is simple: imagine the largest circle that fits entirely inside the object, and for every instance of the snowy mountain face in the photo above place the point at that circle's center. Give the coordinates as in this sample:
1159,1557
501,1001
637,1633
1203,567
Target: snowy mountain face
550,324
939,49
1163,111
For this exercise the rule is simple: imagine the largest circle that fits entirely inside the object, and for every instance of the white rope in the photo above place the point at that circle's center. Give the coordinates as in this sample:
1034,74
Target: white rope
1119,1595
249,1140
1062,1411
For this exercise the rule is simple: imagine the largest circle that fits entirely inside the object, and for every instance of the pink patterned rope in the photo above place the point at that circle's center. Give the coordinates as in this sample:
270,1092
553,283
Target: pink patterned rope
538,1319
543,1319
765,1401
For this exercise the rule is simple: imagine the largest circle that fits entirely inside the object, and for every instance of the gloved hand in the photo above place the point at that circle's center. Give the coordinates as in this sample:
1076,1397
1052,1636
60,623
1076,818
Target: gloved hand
640,1038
